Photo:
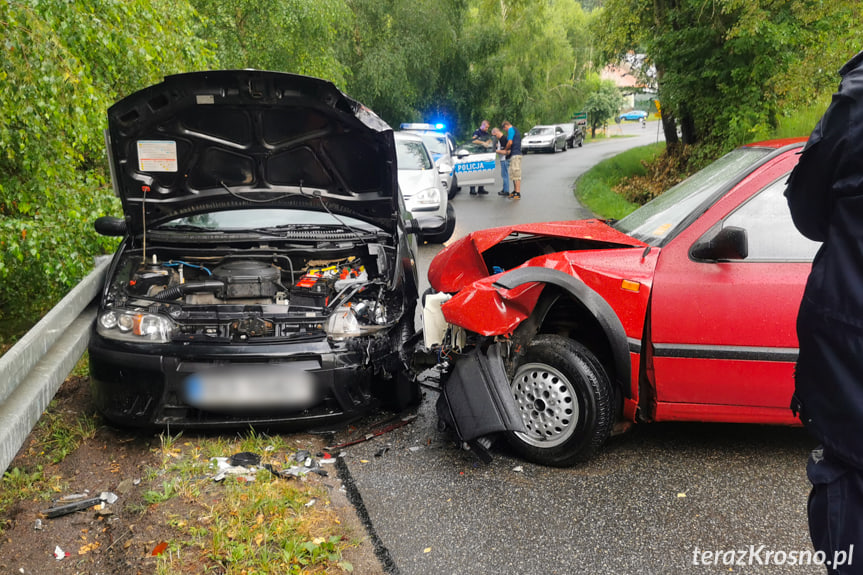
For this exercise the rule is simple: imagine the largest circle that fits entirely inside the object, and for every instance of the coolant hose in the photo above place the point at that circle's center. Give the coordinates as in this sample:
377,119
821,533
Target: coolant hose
178,291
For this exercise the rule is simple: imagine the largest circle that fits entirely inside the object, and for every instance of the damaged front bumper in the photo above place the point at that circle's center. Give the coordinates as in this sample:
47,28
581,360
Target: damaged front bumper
303,385
476,399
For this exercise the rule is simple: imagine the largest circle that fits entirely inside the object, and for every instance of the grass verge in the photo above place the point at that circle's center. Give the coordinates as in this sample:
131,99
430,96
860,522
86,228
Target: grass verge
245,524
258,522
594,188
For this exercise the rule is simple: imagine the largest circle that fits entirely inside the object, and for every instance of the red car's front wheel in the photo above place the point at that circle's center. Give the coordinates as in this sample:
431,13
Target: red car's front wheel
565,400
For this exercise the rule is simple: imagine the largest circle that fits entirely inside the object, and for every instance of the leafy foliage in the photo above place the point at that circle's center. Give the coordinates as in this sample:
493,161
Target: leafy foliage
602,104
728,69
527,60
298,36
64,64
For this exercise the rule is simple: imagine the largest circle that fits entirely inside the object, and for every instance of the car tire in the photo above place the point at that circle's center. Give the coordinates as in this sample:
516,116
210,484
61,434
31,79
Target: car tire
453,189
579,421
447,231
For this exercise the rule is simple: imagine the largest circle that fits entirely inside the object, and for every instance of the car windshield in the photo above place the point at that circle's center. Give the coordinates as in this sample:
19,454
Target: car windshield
233,220
436,143
654,221
540,131
412,155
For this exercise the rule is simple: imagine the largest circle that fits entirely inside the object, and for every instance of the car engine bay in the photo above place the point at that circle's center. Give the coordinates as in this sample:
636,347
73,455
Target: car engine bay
251,294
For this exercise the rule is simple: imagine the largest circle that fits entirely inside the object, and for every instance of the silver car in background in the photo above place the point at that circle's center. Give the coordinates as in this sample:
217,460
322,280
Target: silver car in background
544,139
421,189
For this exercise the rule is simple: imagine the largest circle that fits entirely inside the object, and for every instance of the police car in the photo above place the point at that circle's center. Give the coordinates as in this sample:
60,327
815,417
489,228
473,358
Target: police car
474,165
441,146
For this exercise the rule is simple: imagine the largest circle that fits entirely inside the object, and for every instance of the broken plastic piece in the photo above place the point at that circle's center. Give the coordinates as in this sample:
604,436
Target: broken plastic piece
60,510
59,554
245,458
225,468
159,549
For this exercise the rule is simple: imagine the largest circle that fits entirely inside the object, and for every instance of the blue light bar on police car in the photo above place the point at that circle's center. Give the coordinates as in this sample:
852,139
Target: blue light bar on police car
421,126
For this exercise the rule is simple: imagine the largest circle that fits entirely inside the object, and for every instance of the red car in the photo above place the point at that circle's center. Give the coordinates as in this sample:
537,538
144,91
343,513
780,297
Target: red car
684,310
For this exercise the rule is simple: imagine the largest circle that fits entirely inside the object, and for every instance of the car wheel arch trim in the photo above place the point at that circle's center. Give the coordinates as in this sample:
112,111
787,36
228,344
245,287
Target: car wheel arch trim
595,304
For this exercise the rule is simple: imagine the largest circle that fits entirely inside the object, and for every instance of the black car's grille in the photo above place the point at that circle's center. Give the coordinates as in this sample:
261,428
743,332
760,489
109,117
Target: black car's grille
262,331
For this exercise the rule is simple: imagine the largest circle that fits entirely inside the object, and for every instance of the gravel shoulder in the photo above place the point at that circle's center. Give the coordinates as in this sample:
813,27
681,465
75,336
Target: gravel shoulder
122,537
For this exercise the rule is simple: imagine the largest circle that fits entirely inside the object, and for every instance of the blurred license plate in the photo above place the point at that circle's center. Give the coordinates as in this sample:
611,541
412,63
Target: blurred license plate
285,385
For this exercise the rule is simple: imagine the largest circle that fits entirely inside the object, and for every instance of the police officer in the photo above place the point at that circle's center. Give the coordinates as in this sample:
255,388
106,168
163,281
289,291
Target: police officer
825,195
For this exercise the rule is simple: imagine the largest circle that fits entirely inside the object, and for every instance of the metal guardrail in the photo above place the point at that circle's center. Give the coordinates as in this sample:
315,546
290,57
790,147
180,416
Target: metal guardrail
33,369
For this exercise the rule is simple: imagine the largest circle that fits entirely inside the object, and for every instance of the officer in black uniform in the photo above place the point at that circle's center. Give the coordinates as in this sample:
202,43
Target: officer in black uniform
825,195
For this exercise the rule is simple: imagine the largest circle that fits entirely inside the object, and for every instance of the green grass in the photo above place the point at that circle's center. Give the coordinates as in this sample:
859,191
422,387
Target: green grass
800,123
594,187
56,436
270,525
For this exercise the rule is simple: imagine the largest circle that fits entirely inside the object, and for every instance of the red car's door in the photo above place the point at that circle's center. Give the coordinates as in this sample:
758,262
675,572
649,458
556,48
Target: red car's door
723,332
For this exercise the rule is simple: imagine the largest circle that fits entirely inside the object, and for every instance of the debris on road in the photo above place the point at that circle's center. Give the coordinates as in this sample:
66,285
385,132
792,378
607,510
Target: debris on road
245,466
375,433
81,505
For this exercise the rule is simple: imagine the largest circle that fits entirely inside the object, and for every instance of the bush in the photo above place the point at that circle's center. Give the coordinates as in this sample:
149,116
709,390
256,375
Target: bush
657,175
594,188
64,63
44,254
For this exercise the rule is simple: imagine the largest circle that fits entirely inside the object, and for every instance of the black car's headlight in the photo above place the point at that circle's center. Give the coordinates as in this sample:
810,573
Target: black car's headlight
134,326
354,321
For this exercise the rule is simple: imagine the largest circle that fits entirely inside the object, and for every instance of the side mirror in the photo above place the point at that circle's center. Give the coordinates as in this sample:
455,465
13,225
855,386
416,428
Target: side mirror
462,154
444,169
730,243
110,226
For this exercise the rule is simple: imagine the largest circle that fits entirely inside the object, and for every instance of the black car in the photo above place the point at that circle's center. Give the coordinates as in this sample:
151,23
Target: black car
266,272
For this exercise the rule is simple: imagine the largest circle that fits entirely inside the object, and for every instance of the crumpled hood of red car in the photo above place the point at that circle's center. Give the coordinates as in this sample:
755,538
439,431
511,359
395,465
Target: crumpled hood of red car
461,264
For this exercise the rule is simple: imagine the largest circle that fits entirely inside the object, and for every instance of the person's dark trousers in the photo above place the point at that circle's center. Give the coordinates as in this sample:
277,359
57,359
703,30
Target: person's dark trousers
836,513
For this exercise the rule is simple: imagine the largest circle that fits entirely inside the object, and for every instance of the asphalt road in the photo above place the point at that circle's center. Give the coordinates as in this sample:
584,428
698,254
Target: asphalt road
651,502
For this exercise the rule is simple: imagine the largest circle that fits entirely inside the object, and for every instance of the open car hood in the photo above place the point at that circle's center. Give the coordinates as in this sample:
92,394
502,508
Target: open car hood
209,141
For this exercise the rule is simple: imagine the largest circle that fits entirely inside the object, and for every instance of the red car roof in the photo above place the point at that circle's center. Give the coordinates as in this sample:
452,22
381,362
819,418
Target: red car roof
780,143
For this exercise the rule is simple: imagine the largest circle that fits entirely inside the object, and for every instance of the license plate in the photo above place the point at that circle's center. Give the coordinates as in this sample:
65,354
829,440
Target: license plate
277,386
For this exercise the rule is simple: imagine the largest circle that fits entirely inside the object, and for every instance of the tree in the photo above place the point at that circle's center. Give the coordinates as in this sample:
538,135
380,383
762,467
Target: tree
297,36
526,60
64,63
602,104
726,69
